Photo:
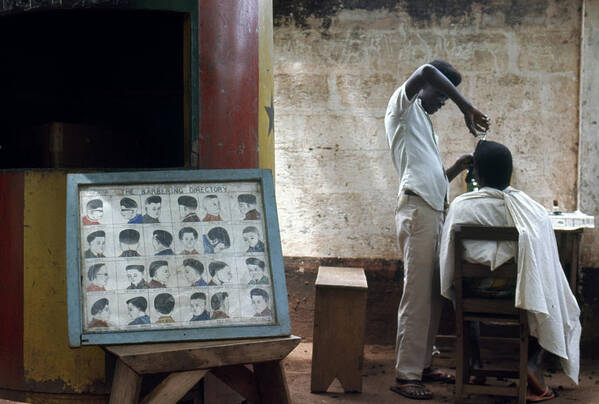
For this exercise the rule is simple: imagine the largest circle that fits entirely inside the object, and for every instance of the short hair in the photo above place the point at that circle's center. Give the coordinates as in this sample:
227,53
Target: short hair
188,201
93,271
164,303
188,230
129,236
135,267
210,197
198,295
95,204
164,237
217,300
255,261
195,264
493,163
220,234
140,302
92,236
251,229
155,265
216,266
99,305
154,199
128,203
259,292
448,71
247,198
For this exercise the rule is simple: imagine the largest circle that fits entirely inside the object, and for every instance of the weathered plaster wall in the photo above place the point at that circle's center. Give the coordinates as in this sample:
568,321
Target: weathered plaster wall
588,192
337,63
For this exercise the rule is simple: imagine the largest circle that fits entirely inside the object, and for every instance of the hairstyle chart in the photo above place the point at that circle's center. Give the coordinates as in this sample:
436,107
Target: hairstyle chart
174,255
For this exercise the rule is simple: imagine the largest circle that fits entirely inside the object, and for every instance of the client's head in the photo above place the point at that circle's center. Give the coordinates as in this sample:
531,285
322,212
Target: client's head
492,165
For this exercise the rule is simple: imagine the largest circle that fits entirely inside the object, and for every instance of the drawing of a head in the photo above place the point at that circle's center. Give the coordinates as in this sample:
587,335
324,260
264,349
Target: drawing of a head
187,204
211,205
159,271
98,274
188,237
198,303
128,208
255,268
259,299
96,242
220,301
136,307
95,209
101,310
193,270
219,238
251,236
153,205
220,272
135,273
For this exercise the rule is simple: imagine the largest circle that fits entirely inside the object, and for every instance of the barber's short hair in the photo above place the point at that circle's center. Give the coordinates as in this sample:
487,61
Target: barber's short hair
195,264
259,292
188,230
163,237
198,295
140,302
155,265
129,236
128,203
154,199
99,305
95,204
255,261
216,266
92,236
93,270
493,163
217,300
164,303
250,199
448,71
136,267
188,201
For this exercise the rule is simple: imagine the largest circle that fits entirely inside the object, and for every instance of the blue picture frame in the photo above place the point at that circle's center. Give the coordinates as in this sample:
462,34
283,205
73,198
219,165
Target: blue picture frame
77,334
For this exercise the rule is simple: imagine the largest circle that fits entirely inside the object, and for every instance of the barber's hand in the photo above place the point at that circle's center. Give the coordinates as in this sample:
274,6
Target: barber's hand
464,162
477,122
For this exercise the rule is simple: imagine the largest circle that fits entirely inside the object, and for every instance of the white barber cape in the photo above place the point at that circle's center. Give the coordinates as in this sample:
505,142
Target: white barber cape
541,288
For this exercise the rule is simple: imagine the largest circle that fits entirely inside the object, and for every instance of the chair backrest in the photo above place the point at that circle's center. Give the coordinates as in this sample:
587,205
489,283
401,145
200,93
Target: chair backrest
465,270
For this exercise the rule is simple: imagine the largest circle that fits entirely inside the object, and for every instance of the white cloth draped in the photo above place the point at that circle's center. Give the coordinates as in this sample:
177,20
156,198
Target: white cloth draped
541,289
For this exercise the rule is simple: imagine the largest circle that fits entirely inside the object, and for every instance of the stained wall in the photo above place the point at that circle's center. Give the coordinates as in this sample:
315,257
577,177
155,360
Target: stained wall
336,65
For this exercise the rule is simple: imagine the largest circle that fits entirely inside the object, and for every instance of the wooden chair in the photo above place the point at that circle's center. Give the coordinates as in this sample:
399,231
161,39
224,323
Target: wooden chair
495,310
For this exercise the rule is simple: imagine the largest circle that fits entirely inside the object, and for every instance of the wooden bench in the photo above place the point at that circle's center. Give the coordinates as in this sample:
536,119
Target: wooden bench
189,362
339,322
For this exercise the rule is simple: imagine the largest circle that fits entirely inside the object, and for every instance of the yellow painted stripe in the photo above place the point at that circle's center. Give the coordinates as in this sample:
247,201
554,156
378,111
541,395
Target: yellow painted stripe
266,139
50,365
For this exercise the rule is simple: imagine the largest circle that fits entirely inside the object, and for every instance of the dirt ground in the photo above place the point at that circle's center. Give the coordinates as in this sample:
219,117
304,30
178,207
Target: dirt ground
378,375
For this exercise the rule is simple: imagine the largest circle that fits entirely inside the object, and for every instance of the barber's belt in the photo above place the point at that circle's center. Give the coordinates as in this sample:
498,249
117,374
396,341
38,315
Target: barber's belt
408,192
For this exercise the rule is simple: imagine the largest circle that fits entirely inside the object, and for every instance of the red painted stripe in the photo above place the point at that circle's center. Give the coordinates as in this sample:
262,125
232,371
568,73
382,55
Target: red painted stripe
229,78
11,286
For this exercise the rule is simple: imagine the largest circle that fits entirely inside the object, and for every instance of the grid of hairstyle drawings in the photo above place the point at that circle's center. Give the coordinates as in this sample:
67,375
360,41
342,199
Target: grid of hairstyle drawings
174,256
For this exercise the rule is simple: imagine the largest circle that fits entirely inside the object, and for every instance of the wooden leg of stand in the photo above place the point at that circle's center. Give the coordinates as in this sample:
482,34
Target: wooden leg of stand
240,379
125,385
174,387
270,379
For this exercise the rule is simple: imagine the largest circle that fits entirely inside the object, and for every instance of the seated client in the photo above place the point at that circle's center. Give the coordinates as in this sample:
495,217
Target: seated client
541,286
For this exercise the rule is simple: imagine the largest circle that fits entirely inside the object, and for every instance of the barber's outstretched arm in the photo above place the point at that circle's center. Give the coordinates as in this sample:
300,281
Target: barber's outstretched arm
475,120
461,164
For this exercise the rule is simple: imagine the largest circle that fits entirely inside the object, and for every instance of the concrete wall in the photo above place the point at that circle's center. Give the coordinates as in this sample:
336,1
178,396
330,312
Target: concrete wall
337,63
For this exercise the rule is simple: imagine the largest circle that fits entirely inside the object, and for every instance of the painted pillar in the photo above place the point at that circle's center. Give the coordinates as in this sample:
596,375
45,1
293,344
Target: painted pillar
236,84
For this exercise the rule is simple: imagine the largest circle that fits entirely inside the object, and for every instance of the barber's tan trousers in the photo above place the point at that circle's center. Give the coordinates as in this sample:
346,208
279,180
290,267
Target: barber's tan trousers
418,230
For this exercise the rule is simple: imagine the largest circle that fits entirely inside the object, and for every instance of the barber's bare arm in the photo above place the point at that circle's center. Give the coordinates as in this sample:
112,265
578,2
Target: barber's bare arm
475,120
461,164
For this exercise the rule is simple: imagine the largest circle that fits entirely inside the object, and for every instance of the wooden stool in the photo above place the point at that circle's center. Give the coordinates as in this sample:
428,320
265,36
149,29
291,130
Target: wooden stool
188,362
339,317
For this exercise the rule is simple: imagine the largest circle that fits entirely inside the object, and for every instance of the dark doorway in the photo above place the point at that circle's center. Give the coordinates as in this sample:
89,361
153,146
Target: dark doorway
92,89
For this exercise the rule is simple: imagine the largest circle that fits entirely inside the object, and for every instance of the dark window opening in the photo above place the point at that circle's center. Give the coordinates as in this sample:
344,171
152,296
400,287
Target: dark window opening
92,89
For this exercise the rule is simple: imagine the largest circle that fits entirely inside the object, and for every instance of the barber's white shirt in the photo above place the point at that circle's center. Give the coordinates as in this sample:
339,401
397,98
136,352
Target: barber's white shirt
414,149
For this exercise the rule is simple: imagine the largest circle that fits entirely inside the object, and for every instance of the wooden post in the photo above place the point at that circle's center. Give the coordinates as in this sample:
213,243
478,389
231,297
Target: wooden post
126,385
271,382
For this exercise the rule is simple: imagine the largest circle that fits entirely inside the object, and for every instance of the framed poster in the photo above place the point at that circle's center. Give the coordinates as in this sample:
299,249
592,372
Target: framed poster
173,255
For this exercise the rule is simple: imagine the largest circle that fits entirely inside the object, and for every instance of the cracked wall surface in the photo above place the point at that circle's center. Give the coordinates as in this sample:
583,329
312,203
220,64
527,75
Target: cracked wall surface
338,62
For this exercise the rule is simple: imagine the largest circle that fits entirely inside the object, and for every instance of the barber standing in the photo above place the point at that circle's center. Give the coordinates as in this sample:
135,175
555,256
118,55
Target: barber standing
423,196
